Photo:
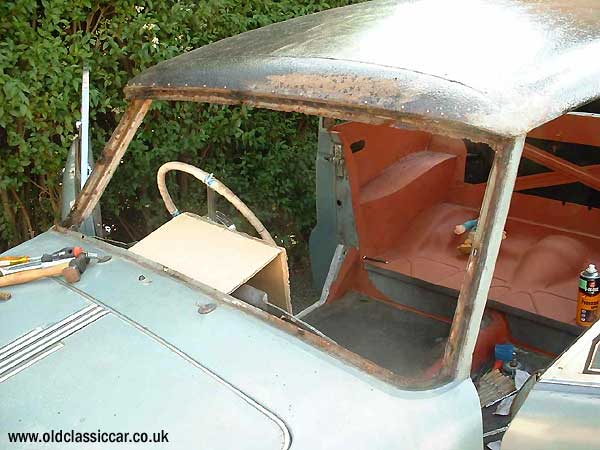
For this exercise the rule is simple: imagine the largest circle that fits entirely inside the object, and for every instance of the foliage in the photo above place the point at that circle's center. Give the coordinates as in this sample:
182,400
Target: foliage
267,157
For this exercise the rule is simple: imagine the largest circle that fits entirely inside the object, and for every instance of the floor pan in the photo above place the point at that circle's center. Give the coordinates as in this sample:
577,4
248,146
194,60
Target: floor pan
537,269
396,339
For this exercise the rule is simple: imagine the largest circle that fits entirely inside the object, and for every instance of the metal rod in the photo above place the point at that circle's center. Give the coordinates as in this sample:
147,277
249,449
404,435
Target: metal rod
480,268
339,256
210,203
113,152
84,129
494,432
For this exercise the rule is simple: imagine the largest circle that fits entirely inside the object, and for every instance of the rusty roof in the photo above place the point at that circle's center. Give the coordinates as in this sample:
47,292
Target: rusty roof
475,67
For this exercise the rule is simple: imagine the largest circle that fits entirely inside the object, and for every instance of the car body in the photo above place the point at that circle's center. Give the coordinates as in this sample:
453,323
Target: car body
155,348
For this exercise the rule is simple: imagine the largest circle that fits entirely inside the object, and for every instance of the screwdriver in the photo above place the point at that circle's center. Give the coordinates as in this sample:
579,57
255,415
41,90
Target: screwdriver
6,261
27,261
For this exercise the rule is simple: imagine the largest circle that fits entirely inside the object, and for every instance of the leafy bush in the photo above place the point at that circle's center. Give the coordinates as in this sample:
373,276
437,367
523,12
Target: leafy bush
266,157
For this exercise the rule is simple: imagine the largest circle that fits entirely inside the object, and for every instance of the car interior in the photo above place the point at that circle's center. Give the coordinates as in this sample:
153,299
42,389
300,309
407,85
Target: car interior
393,295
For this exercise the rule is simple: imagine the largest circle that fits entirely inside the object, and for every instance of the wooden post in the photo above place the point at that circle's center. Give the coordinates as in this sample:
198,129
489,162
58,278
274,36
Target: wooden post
105,167
480,268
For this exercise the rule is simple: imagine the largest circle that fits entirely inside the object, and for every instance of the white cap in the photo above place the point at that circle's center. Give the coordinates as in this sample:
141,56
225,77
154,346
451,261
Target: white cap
591,268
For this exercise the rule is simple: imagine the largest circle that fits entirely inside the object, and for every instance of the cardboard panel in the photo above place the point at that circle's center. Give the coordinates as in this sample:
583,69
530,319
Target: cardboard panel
207,252
274,280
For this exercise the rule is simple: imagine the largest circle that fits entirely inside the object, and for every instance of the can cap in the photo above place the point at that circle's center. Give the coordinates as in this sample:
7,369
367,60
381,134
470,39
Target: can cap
591,269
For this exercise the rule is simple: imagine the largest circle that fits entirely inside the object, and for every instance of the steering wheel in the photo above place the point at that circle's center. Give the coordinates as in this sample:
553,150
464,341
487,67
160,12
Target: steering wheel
215,185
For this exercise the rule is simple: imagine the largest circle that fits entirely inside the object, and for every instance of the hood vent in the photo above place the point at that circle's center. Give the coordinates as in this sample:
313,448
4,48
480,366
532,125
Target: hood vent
40,342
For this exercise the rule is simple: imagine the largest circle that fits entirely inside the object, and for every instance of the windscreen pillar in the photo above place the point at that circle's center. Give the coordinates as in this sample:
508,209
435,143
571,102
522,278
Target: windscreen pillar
482,261
105,167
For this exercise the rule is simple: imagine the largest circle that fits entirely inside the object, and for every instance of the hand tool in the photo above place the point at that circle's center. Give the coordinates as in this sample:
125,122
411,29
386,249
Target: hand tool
71,269
45,270
67,252
78,265
29,263
75,269
6,261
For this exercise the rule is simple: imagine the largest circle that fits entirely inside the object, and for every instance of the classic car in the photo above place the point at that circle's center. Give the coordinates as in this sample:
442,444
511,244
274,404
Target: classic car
432,114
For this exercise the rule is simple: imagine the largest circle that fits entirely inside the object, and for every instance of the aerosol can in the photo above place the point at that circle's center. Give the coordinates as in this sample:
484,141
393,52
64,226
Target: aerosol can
588,297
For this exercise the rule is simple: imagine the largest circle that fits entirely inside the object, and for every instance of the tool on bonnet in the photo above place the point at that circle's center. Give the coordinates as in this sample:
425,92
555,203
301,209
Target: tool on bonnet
70,268
67,252
78,265
13,264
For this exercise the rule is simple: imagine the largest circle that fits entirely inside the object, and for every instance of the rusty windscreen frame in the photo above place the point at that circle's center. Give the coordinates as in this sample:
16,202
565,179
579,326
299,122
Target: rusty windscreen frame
482,260
106,166
532,62
480,267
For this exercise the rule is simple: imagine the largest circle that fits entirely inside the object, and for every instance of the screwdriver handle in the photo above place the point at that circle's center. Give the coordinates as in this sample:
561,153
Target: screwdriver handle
6,261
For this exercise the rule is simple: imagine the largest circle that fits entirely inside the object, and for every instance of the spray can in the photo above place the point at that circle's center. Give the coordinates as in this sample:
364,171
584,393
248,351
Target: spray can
588,297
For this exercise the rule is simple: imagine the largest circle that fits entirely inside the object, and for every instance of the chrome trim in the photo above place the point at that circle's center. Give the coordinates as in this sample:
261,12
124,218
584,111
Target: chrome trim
31,361
40,342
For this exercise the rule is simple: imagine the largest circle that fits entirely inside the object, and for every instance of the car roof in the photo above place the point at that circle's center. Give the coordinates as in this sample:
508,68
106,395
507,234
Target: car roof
474,68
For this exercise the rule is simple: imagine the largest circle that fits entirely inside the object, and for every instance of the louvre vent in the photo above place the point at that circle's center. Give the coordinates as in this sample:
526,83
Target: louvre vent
40,342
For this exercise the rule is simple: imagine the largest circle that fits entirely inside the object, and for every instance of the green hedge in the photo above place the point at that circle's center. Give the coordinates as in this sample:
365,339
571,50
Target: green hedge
266,157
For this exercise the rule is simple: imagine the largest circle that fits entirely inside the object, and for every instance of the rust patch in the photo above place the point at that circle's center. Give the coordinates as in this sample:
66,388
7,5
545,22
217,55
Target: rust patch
334,108
365,89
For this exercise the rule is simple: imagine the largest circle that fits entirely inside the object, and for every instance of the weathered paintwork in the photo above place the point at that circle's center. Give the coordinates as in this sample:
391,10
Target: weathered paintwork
450,67
478,67
556,417
561,411
229,378
321,244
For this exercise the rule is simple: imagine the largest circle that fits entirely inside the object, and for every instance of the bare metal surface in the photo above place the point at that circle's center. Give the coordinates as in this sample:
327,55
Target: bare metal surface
110,160
565,400
497,67
210,204
85,124
480,268
337,261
